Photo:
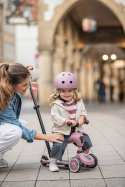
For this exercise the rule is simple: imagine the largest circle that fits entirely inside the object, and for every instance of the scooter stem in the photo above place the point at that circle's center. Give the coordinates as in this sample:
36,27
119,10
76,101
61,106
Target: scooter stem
36,107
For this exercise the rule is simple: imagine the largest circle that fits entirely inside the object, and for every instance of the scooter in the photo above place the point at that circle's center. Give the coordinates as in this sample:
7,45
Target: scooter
75,163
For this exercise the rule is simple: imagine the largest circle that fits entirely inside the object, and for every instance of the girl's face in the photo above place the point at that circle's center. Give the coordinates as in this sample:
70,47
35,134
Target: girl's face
66,94
23,86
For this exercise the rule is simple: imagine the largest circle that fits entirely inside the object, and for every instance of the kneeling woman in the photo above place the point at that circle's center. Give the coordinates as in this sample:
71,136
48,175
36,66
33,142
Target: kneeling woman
14,82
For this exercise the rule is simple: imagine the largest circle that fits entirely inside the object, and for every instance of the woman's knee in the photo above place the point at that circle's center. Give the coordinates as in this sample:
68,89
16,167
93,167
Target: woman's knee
16,133
9,136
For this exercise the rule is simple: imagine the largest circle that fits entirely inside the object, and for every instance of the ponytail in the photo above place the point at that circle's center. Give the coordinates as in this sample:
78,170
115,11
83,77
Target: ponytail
6,89
10,75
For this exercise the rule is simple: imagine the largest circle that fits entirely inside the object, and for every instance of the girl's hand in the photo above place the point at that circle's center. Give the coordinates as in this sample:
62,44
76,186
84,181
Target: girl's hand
81,120
72,121
54,137
29,67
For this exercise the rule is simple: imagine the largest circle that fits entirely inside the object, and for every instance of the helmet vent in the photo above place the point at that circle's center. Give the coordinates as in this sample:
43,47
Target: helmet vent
71,82
63,82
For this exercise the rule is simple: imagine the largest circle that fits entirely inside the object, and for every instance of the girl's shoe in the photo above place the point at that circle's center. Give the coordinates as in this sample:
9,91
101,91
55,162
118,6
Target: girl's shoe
3,163
53,167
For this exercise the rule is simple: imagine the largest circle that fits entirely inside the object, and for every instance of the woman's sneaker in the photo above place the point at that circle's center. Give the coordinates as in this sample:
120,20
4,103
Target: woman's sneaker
3,163
53,167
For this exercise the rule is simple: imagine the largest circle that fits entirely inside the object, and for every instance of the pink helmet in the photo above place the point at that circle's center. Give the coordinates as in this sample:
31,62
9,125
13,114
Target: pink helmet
65,80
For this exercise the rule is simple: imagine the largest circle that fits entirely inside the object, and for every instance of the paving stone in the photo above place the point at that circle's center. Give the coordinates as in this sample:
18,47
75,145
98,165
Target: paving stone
45,174
106,153
4,172
111,162
115,182
88,183
18,184
86,173
11,160
26,166
3,175
65,183
113,171
29,159
22,175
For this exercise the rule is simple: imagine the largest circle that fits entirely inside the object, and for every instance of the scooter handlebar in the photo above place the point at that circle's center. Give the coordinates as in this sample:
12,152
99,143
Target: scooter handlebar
86,121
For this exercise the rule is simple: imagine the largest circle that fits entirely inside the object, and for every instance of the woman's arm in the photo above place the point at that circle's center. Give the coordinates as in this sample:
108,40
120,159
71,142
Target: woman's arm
49,137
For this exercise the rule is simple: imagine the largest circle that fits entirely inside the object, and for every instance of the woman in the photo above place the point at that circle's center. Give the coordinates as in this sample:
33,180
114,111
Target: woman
14,82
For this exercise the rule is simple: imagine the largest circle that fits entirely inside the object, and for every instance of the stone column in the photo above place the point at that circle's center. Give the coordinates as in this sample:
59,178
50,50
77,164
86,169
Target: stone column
45,75
57,65
89,81
115,82
82,83
58,51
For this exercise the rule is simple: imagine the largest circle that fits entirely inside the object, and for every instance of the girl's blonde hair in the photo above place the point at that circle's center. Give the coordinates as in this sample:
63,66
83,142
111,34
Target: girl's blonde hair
10,75
55,95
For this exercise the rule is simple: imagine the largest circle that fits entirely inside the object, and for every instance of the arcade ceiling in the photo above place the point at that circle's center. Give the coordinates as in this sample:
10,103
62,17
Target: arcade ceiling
109,36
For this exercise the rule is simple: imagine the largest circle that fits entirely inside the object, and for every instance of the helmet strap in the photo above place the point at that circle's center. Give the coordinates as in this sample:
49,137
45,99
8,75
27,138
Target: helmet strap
61,99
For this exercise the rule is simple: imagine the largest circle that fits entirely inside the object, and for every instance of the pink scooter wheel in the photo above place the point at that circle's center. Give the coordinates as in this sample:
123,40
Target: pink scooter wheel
74,164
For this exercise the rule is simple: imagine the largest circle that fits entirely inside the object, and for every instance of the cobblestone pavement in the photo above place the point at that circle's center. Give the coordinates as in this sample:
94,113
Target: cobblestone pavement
107,132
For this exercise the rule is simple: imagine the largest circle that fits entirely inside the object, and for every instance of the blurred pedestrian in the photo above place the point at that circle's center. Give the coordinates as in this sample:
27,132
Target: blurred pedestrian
111,92
102,91
97,89
14,82
121,91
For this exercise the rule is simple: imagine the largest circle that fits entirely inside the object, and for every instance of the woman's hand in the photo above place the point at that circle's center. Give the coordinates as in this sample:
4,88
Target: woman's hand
50,137
55,137
29,67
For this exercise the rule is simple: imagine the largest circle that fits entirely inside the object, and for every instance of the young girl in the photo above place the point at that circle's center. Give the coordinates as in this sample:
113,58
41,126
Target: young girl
14,82
66,105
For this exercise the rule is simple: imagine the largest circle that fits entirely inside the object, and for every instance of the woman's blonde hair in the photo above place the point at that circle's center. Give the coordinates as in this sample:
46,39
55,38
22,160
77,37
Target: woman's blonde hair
10,75
55,96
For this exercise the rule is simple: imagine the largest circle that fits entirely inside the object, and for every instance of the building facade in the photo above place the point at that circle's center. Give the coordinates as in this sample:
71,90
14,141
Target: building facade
7,35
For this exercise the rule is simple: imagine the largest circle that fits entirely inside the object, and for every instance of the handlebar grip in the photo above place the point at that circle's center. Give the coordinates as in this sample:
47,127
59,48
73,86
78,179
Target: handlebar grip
86,121
77,124
69,123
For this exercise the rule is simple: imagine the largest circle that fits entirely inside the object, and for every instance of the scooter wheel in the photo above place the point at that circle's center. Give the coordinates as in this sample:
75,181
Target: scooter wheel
74,164
45,158
96,161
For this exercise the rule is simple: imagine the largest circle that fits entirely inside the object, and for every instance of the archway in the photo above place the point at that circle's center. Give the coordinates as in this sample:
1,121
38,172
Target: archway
47,34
